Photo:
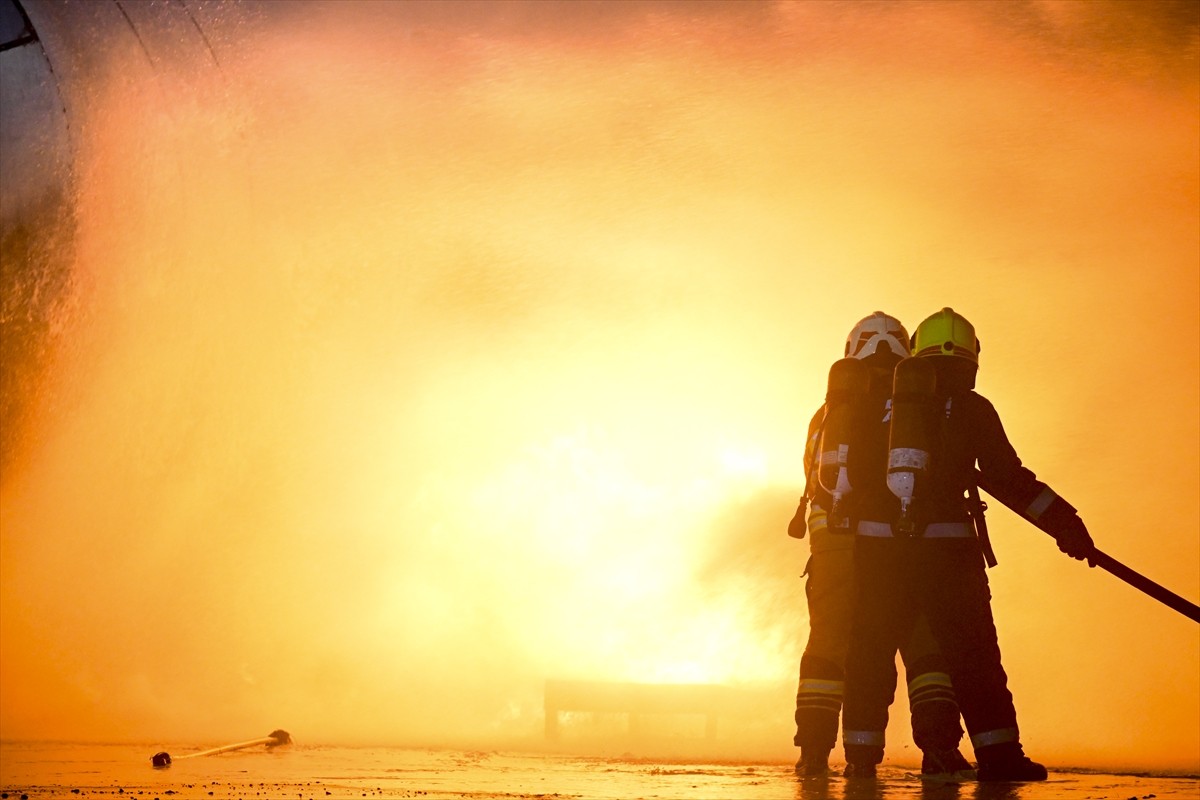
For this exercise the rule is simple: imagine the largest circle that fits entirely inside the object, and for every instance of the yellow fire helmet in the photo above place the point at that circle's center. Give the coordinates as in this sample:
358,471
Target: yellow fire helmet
946,333
876,331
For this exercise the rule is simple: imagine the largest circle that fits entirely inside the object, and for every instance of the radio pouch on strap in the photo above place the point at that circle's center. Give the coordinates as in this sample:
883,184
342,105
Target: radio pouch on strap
976,508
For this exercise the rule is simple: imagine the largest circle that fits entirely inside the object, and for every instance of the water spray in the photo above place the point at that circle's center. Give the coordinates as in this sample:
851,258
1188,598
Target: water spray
276,738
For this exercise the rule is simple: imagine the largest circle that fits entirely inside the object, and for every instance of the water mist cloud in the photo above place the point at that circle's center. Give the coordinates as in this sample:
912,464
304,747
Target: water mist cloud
420,352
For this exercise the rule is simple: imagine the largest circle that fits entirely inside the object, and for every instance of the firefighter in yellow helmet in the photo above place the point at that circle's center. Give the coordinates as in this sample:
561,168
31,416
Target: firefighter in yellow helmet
873,348
934,565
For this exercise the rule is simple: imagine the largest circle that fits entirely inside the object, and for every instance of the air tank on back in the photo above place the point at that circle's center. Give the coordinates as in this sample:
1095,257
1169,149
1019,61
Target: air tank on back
911,437
845,401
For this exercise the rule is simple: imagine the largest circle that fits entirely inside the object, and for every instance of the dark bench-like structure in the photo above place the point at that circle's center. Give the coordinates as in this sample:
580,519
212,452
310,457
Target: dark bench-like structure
637,699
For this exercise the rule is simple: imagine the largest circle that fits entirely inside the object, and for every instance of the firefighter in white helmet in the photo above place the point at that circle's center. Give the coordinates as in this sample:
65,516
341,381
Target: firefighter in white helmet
873,348
933,566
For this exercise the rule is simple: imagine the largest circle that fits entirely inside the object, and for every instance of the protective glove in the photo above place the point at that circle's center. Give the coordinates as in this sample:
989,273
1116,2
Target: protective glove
1074,540
799,526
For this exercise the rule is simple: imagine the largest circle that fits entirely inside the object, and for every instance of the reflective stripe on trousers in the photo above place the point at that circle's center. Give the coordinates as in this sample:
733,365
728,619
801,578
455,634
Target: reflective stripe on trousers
931,687
998,736
867,738
819,695
831,689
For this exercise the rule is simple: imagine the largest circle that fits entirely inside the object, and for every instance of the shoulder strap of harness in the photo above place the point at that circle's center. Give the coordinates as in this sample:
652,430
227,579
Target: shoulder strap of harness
976,508
810,460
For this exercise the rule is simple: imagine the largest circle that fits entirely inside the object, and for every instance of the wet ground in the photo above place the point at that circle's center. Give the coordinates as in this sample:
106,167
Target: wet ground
38,771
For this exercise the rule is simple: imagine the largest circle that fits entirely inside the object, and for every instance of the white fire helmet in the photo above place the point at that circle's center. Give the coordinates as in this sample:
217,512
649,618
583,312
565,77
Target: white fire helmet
876,331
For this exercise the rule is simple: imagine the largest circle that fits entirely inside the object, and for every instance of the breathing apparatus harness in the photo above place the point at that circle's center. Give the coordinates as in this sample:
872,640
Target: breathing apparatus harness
919,429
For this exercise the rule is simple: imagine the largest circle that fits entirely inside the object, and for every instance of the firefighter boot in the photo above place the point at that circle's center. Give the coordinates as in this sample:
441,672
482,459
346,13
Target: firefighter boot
861,760
1007,762
814,762
946,764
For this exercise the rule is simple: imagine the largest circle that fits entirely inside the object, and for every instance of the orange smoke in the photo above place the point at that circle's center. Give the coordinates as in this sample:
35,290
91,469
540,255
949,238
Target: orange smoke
419,356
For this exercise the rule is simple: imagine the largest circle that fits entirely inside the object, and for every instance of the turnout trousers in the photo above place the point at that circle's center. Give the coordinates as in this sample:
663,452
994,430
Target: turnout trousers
897,581
830,592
